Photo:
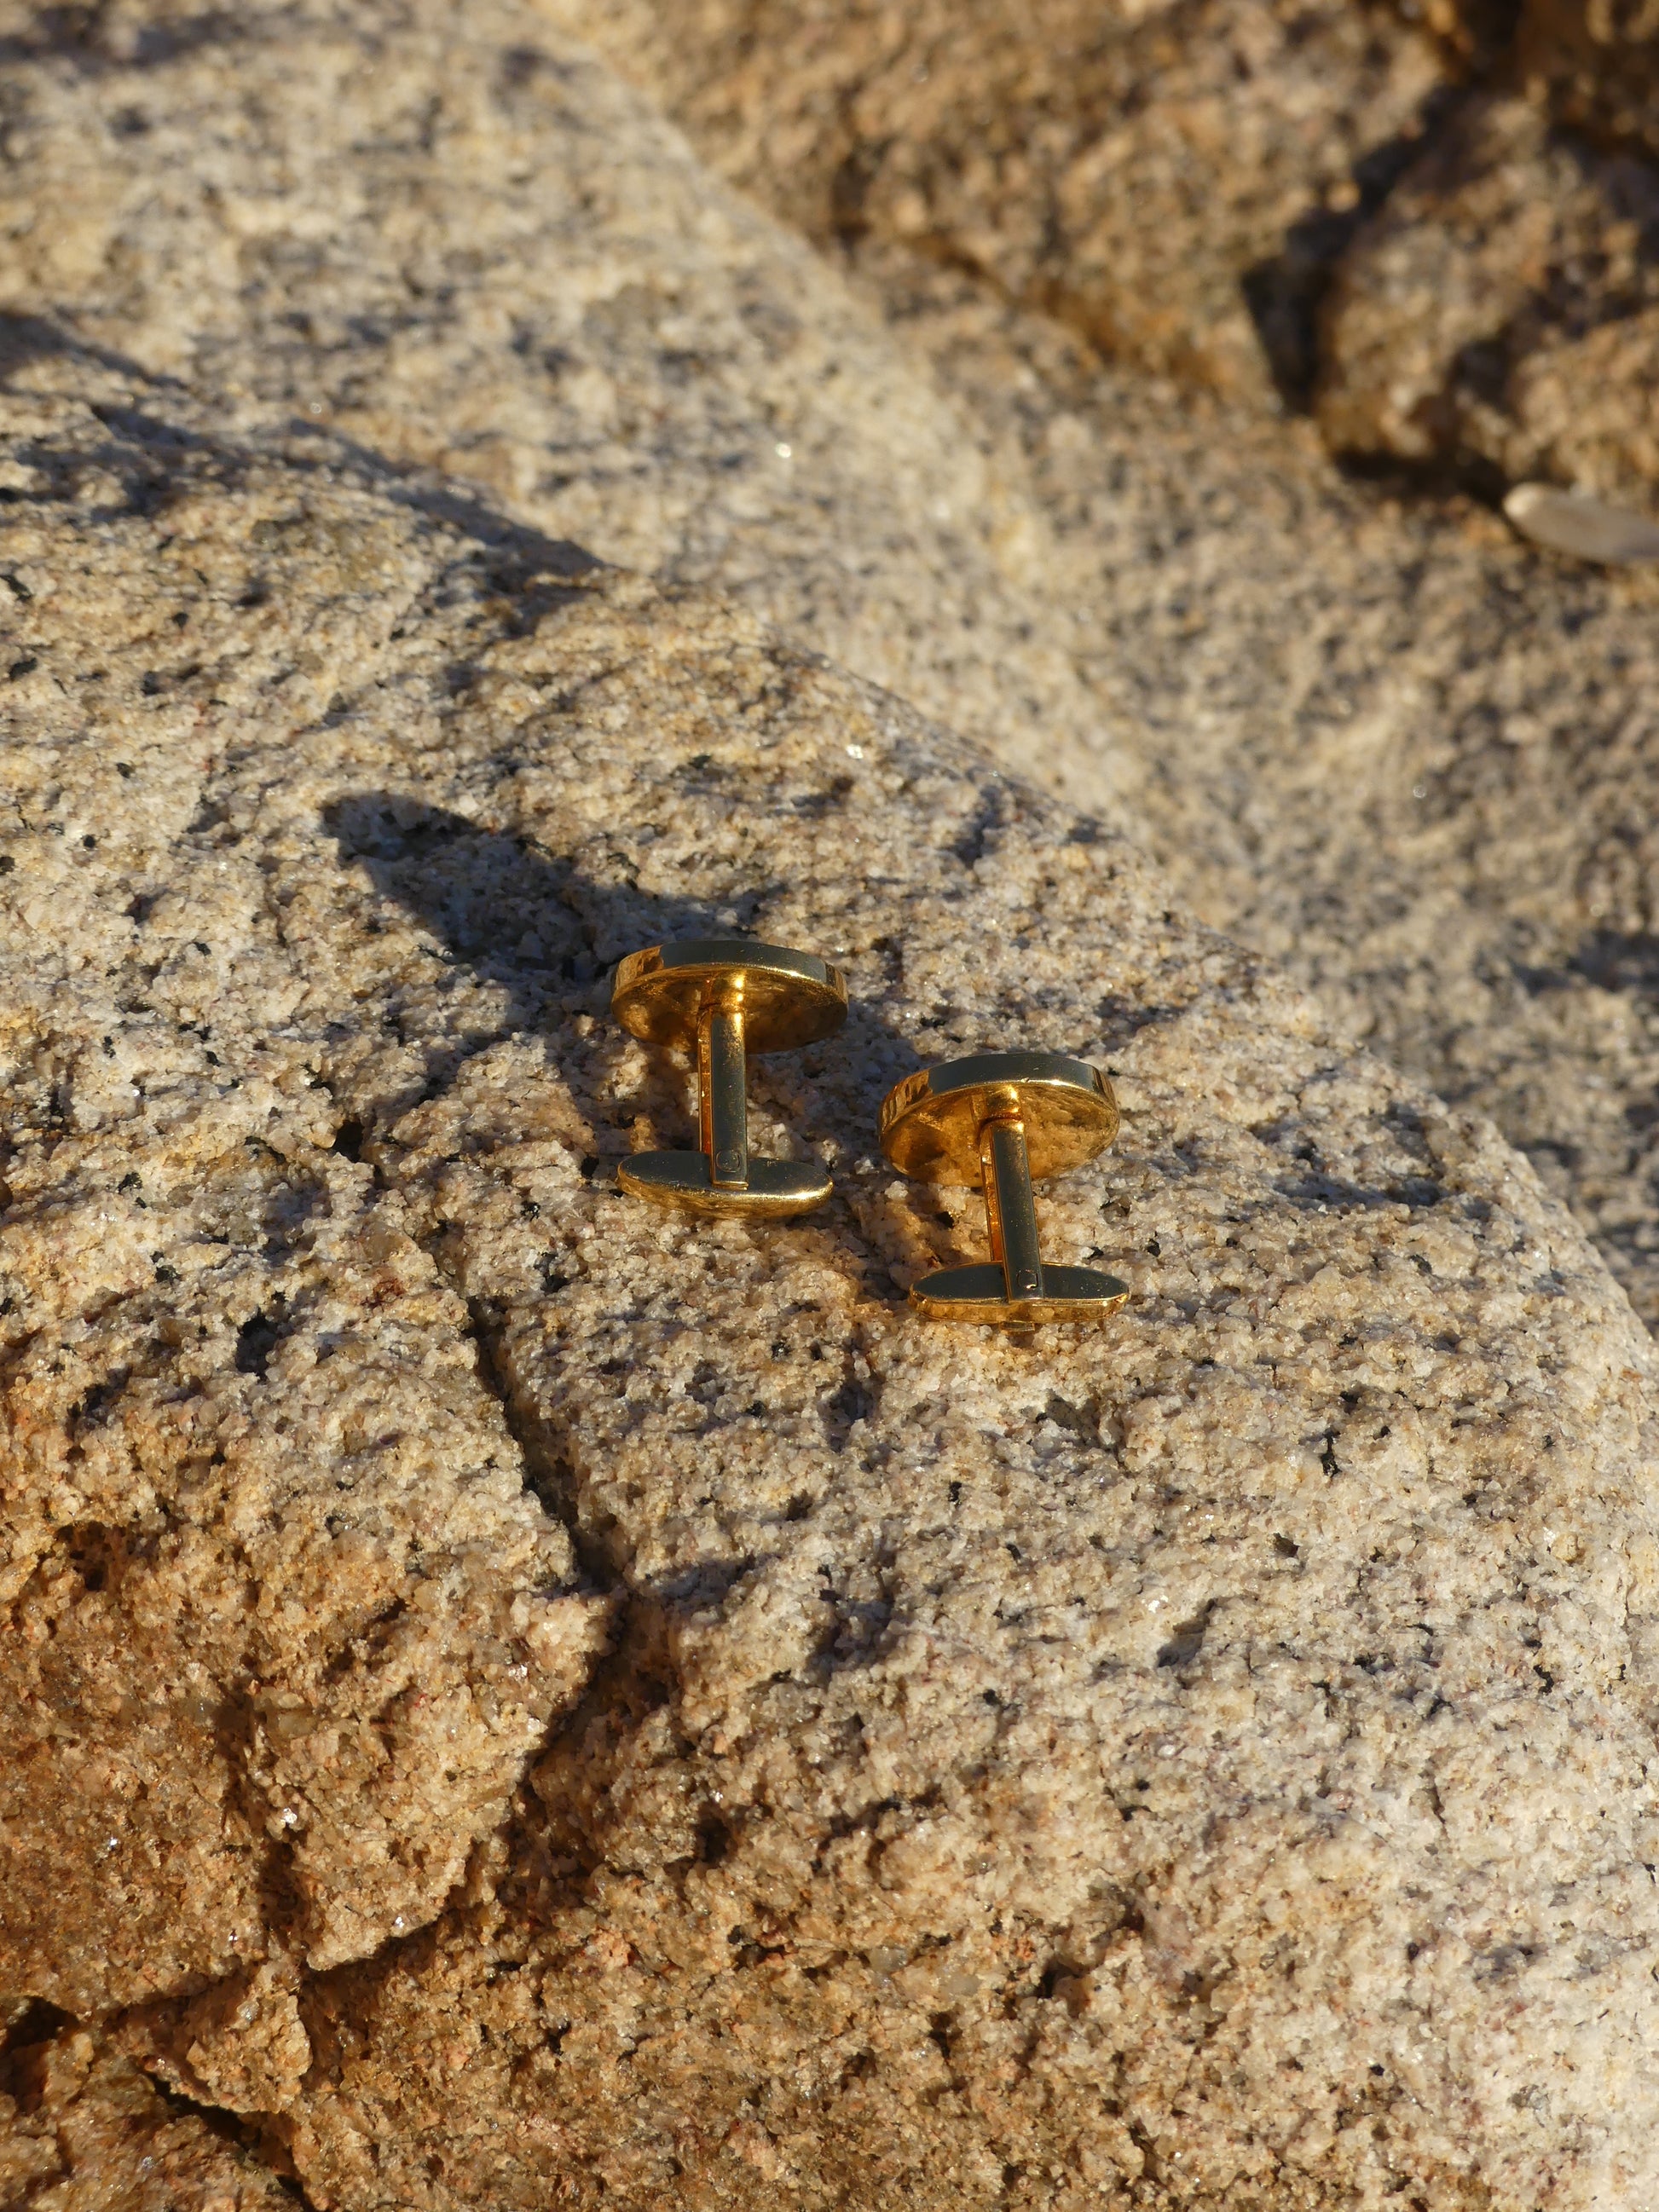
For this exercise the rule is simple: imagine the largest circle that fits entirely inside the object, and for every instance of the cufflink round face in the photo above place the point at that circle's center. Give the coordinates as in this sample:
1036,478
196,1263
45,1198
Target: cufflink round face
997,1120
931,1122
788,999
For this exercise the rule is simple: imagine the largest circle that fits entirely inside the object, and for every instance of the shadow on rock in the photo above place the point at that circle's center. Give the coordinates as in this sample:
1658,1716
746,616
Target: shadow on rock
543,933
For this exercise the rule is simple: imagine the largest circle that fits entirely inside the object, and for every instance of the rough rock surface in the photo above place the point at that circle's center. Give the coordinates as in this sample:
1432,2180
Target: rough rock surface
1175,179
82,2129
1503,308
1180,183
1205,1759
1597,62
1384,744
509,1699
386,1644
1408,757
458,241
1429,788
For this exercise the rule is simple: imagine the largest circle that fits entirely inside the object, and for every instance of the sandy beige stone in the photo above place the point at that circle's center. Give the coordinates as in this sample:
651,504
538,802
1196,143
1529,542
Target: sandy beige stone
82,2130
1592,61
1201,1761
278,1708
1272,667
1376,736
1364,731
1180,182
1174,180
446,233
1503,307
1597,62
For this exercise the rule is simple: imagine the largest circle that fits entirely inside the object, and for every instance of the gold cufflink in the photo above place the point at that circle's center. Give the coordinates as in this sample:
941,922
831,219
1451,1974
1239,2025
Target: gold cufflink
998,1119
734,997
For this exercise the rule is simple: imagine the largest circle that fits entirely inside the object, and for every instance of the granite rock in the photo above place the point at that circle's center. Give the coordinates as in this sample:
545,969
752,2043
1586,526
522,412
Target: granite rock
1591,63
1597,62
457,241
1203,1759
1182,184
511,1698
1502,308
285,1700
82,2130
1360,728
1174,181
1108,606
1373,734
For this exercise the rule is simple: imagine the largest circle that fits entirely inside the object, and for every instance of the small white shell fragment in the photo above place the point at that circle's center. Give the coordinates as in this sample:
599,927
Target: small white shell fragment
1589,529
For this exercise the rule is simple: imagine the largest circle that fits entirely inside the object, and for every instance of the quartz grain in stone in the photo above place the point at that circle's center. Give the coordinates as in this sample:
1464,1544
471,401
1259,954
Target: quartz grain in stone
1201,1761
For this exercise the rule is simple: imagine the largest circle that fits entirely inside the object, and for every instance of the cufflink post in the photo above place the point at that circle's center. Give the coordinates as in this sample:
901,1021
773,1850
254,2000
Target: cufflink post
999,1120
729,996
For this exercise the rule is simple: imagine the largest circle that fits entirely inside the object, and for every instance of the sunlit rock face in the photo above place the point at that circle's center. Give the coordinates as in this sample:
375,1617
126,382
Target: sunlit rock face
508,1698
463,244
510,1694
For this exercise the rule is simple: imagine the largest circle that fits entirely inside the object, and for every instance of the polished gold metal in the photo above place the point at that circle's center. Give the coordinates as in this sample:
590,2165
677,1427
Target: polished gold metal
998,1119
730,996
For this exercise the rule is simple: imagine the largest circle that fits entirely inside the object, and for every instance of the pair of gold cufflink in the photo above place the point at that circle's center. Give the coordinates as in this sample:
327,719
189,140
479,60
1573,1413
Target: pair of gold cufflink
995,1121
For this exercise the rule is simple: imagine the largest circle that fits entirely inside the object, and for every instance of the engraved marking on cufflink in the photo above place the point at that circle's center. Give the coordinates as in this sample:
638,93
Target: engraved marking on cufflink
998,1119
731,996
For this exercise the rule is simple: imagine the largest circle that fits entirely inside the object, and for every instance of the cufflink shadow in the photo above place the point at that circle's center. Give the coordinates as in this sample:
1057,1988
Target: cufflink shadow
543,937
492,902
